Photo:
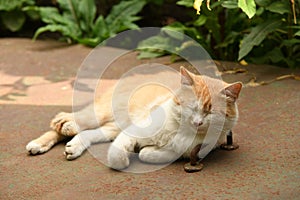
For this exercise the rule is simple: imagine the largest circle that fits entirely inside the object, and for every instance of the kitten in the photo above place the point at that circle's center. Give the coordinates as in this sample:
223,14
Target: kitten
161,125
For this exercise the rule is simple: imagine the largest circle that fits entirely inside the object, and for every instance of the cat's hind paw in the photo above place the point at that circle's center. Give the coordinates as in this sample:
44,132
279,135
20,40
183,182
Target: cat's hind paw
65,124
117,159
70,128
34,148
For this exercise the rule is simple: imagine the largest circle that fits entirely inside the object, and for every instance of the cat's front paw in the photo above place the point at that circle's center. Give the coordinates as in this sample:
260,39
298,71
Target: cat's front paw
117,159
34,148
65,124
74,148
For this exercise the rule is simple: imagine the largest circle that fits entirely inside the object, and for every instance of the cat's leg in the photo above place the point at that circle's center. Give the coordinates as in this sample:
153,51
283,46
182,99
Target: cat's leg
85,139
155,155
119,151
70,124
43,143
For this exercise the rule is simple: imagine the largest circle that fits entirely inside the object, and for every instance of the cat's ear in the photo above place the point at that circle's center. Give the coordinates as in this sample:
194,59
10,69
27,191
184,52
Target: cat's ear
186,77
232,91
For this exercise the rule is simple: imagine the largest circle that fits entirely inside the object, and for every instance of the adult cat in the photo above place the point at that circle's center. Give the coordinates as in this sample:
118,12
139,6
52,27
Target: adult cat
161,126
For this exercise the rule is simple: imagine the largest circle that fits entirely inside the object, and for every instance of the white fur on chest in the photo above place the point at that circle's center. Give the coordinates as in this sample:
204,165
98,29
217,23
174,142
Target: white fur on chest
176,134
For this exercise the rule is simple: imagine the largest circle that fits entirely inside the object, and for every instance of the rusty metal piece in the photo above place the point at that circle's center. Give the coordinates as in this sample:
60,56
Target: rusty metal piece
193,156
229,145
194,165
193,168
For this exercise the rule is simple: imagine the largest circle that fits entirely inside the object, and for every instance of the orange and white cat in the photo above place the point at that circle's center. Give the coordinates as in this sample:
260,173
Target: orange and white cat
161,126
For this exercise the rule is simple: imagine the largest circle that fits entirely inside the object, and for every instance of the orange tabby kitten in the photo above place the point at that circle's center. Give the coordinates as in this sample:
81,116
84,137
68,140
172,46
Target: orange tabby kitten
163,126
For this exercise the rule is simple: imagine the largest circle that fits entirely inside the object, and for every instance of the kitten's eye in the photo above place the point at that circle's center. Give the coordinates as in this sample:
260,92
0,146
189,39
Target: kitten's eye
207,110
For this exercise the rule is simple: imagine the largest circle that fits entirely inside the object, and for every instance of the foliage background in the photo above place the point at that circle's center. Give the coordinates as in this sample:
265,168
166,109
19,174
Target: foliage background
256,31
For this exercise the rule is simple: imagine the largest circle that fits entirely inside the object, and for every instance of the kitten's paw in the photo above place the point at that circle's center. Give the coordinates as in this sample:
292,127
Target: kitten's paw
74,148
34,148
65,124
70,128
117,159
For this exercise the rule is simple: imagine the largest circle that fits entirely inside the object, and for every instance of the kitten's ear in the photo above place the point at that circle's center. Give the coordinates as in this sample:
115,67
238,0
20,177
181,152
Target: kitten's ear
186,77
233,90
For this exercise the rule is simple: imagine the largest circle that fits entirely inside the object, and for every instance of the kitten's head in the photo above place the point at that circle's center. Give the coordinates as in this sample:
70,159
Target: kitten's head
203,98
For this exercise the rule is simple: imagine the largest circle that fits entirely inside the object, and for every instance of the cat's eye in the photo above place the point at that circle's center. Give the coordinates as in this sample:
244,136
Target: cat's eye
207,110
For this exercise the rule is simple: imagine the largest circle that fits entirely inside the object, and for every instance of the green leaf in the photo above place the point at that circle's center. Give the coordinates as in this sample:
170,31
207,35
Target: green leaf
186,3
59,23
13,20
248,7
92,42
175,30
9,5
51,15
87,14
230,4
32,12
156,46
279,7
75,19
297,33
200,21
257,35
54,28
70,12
150,54
156,43
123,14
100,28
263,3
290,42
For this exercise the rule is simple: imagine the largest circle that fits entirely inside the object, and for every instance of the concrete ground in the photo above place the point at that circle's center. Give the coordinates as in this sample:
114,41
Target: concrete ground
36,82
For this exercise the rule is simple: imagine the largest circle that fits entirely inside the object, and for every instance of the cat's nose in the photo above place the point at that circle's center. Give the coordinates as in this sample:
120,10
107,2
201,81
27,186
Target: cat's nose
197,122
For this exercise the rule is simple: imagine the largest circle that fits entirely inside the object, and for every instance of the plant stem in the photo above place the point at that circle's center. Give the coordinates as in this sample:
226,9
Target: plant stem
294,11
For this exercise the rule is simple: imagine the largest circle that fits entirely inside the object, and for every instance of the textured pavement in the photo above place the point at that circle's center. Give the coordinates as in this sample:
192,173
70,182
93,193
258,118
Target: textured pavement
36,82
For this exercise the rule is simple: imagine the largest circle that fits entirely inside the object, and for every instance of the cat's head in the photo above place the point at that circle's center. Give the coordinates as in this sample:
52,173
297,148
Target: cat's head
203,98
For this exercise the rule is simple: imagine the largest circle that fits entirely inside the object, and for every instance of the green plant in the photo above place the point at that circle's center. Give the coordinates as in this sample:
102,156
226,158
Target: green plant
261,31
12,15
77,22
274,35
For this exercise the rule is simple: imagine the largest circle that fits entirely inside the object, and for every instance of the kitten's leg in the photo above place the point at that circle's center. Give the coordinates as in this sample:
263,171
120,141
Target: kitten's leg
69,124
152,154
229,145
119,151
44,142
86,138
